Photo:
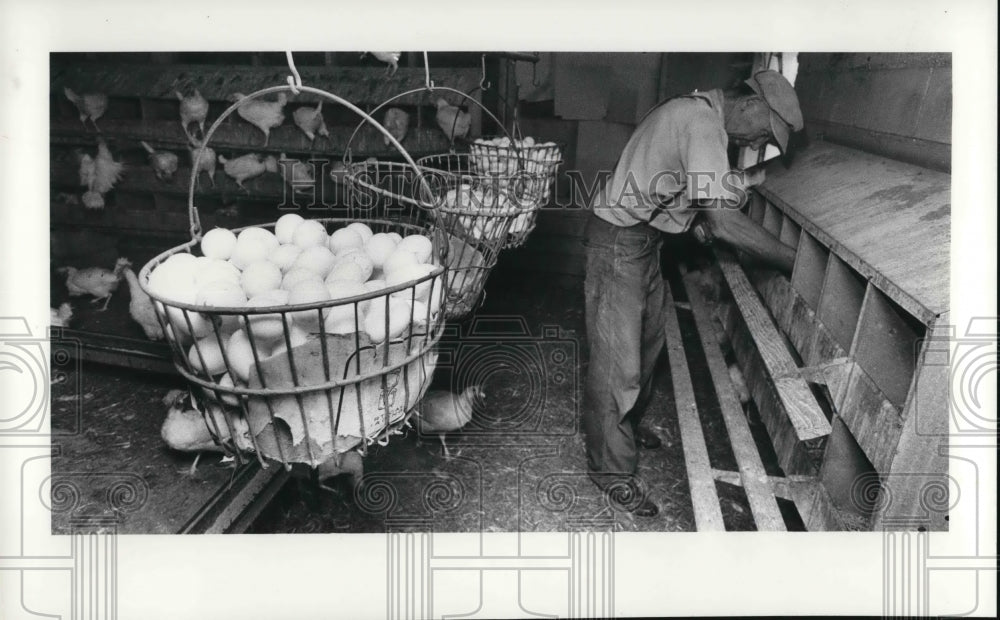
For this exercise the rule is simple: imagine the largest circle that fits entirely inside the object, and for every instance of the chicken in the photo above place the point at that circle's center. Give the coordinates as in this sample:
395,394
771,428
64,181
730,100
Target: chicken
247,167
297,174
107,171
452,120
207,162
194,109
391,59
396,122
189,430
310,121
344,463
91,106
140,306
265,115
62,316
164,163
96,281
441,411
739,384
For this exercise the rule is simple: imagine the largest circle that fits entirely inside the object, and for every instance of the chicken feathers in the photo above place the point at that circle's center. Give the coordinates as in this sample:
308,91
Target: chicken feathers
140,307
310,121
265,115
441,411
452,120
397,123
91,106
193,109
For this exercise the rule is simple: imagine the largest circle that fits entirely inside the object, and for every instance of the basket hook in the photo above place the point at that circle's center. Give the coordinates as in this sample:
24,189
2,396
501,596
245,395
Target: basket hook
294,80
427,74
483,84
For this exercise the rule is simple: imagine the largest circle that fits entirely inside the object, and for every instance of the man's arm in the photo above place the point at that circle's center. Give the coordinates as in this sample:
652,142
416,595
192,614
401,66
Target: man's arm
731,226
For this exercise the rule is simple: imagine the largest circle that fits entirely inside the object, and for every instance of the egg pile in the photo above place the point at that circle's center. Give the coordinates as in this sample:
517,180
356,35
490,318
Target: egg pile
299,263
498,156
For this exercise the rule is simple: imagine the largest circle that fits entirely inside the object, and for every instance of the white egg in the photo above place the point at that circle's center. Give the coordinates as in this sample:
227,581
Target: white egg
379,247
395,236
206,358
411,273
218,243
420,245
285,227
317,259
307,292
248,252
360,257
221,294
347,270
398,319
309,233
260,277
284,257
297,275
343,315
374,285
345,239
240,354
230,399
268,327
362,229
398,259
420,313
258,236
216,269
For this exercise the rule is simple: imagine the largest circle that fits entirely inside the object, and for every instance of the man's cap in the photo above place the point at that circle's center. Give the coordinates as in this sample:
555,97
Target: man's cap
779,95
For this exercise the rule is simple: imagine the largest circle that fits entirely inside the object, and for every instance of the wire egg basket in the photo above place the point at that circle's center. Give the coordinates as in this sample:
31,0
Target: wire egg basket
302,382
473,212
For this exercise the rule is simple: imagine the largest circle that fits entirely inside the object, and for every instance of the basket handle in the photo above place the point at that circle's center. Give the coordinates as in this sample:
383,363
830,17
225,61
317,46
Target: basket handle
294,87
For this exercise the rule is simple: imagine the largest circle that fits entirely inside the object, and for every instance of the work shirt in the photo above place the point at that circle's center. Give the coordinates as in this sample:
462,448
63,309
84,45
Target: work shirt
675,157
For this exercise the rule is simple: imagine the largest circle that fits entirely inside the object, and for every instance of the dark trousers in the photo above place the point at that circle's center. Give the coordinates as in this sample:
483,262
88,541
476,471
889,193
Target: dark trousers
624,314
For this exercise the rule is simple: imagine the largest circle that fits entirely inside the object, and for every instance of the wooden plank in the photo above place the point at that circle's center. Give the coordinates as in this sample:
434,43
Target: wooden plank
845,466
358,85
765,510
886,346
803,411
840,302
790,232
235,137
776,291
814,506
704,498
889,220
794,456
772,220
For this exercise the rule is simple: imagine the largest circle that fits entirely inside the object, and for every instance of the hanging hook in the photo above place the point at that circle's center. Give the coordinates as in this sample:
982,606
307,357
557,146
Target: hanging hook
483,84
427,74
294,80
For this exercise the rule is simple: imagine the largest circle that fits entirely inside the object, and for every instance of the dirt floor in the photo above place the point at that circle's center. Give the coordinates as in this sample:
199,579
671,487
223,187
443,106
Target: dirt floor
518,466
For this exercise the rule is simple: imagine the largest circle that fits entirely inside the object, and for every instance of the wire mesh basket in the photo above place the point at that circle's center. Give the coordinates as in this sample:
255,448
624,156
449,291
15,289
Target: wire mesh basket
473,212
536,164
301,376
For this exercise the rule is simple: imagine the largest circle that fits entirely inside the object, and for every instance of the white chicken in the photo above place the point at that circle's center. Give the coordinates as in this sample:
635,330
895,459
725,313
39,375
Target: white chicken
297,174
391,59
397,123
140,306
310,121
164,163
441,411
107,171
194,109
62,316
96,281
265,115
91,106
189,430
247,167
205,164
739,384
453,121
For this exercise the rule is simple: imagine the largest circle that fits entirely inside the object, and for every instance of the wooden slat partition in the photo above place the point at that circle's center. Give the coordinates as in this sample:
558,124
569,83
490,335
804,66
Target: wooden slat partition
704,498
754,478
796,417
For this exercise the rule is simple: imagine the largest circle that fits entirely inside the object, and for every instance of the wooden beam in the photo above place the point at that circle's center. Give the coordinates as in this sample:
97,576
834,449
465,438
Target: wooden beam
765,510
781,486
804,413
704,498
